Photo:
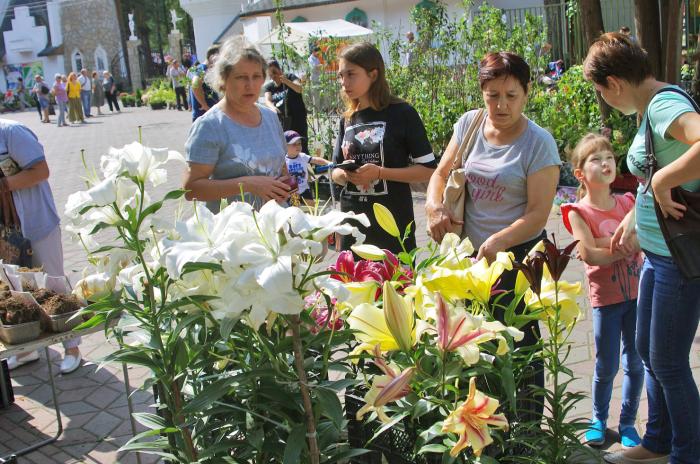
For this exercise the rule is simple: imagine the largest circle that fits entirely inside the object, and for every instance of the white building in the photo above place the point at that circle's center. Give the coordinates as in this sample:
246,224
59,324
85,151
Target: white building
30,46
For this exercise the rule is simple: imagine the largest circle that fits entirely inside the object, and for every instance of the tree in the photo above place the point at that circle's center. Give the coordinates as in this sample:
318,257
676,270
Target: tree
592,22
658,26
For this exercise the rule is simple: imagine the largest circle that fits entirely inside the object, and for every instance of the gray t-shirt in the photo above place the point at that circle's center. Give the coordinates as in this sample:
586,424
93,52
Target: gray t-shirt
35,205
497,177
236,150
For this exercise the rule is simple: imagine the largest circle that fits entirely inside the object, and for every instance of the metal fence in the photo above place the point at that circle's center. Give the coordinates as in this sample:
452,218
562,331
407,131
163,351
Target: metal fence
564,31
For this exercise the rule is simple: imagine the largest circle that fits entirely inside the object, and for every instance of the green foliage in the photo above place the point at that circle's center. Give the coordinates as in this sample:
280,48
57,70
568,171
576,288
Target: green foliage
441,81
160,92
571,110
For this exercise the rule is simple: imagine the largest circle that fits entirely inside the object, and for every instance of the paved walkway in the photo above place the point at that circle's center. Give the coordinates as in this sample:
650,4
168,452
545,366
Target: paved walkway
93,402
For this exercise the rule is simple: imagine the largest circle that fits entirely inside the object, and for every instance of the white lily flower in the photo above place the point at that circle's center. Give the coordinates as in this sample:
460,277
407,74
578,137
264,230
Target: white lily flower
139,161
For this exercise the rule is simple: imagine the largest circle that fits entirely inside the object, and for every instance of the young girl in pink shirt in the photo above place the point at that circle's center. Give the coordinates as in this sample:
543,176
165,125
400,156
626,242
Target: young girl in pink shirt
613,280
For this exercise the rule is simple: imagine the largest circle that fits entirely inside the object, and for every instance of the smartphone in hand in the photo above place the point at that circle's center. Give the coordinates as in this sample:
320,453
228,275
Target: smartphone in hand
348,165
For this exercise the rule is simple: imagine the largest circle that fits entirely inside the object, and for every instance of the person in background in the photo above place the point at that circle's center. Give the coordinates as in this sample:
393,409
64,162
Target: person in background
409,53
386,137
613,284
668,304
202,96
38,218
21,93
59,93
75,109
237,147
85,91
41,93
283,94
177,74
110,90
298,164
98,93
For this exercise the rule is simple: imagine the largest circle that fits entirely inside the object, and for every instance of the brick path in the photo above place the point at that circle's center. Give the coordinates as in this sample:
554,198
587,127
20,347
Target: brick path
93,402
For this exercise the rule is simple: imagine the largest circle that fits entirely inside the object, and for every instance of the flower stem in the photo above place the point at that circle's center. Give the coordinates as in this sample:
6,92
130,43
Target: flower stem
314,454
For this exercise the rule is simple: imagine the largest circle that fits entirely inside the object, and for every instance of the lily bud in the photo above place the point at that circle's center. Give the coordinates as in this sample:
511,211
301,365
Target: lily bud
399,317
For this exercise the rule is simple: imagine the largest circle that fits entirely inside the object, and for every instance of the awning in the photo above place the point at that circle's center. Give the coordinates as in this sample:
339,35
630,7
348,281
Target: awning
298,35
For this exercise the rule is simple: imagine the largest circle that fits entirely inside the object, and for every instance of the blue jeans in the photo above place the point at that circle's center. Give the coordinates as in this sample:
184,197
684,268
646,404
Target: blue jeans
61,121
610,323
85,97
668,311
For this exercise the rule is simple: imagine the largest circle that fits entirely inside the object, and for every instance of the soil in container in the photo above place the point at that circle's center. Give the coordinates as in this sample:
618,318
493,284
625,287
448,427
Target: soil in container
14,311
61,304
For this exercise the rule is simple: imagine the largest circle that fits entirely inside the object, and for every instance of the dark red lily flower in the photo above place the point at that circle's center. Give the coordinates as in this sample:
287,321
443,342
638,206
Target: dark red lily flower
532,268
557,259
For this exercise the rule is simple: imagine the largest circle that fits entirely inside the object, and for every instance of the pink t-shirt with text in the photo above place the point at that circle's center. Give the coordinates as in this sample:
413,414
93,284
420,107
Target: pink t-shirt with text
616,282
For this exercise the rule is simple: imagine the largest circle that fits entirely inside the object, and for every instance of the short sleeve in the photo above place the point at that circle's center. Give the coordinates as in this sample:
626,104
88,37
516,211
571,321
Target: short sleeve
269,87
202,145
292,77
24,147
567,208
665,108
417,140
630,200
544,151
462,124
305,158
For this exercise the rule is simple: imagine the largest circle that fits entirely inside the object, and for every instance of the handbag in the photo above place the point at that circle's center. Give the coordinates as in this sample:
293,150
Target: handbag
455,194
15,248
681,235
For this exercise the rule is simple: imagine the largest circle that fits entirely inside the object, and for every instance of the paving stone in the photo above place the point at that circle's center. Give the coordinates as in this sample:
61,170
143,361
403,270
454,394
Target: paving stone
102,397
102,424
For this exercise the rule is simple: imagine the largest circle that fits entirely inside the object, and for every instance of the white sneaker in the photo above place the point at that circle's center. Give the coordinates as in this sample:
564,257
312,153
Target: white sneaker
70,363
620,458
15,361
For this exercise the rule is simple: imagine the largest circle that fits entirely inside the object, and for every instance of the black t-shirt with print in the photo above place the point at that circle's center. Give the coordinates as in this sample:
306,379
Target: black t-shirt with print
295,103
393,138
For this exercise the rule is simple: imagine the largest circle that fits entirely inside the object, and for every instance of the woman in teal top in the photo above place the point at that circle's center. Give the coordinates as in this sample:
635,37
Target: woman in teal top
668,305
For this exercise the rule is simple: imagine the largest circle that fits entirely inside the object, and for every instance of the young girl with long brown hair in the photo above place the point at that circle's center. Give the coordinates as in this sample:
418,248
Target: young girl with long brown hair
386,138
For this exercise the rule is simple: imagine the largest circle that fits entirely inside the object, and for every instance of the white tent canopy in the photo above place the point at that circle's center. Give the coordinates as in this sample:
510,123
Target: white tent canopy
298,35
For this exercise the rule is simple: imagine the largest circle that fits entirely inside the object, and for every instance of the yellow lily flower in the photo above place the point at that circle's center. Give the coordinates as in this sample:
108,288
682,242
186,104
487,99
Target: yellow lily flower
483,276
456,255
569,310
371,329
386,220
423,299
360,292
398,312
472,419
450,283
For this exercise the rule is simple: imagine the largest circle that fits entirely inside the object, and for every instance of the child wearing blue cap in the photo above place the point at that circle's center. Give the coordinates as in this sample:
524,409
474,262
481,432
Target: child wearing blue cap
298,163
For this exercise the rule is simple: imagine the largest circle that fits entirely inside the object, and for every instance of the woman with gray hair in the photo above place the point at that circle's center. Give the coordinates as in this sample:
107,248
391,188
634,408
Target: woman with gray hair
237,147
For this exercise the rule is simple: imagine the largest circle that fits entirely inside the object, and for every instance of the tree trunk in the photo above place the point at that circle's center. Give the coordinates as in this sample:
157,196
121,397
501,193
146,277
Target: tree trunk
646,21
671,45
592,22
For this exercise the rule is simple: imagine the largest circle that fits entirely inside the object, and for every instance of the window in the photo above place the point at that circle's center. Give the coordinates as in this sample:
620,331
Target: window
357,16
101,59
77,61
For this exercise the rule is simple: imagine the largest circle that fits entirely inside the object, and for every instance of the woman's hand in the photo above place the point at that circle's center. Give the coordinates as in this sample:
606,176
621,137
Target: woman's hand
269,188
365,175
625,237
440,220
666,203
490,248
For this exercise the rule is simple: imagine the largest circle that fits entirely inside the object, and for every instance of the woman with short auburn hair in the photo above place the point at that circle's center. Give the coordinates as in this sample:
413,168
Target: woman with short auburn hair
668,305
512,172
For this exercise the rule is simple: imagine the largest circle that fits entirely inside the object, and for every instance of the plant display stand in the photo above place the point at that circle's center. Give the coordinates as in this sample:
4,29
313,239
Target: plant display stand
44,342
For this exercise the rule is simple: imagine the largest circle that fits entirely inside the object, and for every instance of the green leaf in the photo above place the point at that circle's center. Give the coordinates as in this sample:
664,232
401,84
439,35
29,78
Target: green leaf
151,421
345,455
433,448
296,441
226,327
192,267
330,405
211,393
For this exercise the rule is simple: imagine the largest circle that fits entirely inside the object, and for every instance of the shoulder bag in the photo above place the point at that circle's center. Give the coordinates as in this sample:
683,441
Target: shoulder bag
681,235
455,194
15,248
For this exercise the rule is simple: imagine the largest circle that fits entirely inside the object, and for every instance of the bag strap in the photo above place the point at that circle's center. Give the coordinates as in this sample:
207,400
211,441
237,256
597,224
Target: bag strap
469,139
8,211
650,162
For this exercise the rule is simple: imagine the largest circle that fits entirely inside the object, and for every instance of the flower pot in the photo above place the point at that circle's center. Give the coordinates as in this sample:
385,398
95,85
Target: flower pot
157,106
394,445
